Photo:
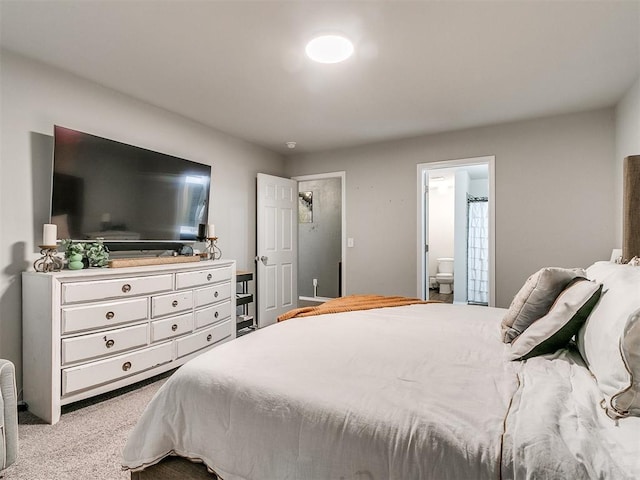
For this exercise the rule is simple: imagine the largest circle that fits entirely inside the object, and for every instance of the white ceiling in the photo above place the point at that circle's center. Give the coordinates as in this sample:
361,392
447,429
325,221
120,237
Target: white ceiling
419,67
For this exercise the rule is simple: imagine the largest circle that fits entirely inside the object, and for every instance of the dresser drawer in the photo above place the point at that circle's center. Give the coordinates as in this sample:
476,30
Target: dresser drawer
203,339
77,319
213,314
215,293
96,373
95,345
171,327
202,277
171,303
122,287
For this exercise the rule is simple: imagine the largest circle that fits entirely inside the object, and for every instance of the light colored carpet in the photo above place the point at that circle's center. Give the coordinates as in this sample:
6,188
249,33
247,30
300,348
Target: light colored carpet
87,443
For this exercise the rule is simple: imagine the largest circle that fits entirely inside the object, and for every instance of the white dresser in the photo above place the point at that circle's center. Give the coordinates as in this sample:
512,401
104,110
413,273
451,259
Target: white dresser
86,332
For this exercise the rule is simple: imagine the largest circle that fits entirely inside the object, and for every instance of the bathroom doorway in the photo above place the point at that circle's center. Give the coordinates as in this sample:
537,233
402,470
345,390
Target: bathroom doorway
321,237
456,247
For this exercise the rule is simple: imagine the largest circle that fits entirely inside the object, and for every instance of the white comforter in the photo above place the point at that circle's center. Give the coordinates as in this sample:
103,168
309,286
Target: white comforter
414,392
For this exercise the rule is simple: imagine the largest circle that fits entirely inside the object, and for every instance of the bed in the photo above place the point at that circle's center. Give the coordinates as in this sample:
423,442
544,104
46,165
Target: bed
421,391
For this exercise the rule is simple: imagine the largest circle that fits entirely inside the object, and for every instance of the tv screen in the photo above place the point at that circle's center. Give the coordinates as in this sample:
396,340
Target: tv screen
125,194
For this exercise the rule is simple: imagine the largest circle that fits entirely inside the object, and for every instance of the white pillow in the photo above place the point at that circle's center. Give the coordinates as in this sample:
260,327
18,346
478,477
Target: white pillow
609,341
554,331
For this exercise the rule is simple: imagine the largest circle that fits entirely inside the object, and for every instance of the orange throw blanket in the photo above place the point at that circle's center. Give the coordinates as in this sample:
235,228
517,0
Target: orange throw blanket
350,304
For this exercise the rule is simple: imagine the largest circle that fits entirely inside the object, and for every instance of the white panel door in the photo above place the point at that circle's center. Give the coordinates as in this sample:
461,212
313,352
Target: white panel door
277,247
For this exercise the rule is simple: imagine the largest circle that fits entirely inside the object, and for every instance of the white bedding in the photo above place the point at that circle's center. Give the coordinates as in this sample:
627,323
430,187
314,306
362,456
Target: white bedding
557,429
414,392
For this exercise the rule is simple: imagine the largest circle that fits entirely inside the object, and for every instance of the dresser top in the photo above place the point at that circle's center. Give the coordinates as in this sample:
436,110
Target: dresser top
138,270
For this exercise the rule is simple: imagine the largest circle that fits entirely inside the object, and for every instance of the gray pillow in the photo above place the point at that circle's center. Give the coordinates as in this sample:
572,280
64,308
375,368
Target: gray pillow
554,330
535,298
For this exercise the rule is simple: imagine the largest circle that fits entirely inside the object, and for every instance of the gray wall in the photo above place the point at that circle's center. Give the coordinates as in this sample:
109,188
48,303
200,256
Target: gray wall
479,187
554,206
627,143
320,242
460,240
34,98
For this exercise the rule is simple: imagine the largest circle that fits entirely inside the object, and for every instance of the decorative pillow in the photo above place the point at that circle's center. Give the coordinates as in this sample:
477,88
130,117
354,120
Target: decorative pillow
609,341
556,328
535,298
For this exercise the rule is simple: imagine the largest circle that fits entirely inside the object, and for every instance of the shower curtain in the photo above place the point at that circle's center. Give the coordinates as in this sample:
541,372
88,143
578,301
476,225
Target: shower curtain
478,251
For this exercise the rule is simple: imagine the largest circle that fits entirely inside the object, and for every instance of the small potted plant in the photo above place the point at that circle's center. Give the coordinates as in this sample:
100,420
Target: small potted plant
97,253
74,252
81,255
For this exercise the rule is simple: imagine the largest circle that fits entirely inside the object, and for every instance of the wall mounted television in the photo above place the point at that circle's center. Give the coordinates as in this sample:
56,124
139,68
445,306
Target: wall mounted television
131,197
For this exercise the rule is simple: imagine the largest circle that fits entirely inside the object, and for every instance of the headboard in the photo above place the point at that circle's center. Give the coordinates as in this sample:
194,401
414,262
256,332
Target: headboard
631,208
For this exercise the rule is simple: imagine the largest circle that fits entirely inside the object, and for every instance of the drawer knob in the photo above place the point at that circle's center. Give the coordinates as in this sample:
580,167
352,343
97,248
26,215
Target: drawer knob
209,277
110,343
110,315
216,315
215,294
174,303
174,327
126,288
126,366
209,337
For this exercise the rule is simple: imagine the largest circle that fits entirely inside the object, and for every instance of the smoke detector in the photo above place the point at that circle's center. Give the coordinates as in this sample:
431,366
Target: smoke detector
291,144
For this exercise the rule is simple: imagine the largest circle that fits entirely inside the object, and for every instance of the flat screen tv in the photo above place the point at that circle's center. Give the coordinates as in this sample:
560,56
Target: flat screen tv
130,197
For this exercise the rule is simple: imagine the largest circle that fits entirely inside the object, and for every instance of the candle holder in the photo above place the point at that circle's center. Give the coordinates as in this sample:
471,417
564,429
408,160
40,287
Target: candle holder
213,251
49,262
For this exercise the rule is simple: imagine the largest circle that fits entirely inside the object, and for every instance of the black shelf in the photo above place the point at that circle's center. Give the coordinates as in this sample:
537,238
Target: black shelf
244,331
242,276
245,323
244,299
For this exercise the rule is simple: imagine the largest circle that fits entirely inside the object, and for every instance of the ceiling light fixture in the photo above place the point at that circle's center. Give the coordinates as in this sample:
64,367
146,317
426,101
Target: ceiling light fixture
329,49
291,144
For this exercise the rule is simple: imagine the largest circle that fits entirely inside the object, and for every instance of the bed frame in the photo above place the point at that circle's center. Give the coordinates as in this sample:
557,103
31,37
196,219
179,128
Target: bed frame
175,468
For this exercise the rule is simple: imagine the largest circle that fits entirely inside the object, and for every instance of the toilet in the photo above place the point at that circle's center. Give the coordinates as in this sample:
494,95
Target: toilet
444,277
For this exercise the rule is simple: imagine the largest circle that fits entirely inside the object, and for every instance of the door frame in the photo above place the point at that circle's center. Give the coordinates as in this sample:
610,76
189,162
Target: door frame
422,169
343,250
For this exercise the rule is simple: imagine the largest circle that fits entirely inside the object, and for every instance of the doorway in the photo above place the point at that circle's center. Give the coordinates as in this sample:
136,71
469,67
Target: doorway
277,221
321,237
456,231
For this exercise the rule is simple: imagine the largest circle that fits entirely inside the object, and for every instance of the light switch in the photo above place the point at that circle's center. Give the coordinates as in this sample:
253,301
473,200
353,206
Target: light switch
350,242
